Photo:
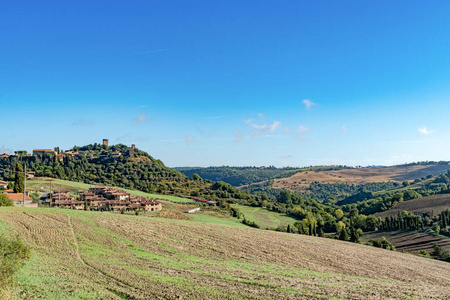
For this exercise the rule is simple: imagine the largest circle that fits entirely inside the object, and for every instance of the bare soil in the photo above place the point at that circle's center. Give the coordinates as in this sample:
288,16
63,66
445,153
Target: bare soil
82,255
432,204
301,181
410,241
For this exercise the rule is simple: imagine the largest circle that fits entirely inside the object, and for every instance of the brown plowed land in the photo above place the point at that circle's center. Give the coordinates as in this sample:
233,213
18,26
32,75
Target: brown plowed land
93,255
301,181
432,204
410,241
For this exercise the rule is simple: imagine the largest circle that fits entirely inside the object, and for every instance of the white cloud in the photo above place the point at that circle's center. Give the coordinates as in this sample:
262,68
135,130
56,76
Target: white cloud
248,121
302,131
344,128
3,149
267,127
189,139
238,135
141,118
83,122
308,103
261,116
425,131
287,156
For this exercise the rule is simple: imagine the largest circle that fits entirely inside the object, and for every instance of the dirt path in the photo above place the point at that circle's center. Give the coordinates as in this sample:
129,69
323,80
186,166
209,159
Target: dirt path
119,282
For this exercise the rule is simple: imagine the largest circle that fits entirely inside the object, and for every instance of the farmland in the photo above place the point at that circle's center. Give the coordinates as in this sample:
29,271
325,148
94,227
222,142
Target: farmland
299,182
265,218
432,204
76,187
92,255
410,241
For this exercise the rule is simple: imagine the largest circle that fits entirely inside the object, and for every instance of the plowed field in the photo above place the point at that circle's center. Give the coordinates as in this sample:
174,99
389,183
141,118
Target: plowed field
93,255
301,181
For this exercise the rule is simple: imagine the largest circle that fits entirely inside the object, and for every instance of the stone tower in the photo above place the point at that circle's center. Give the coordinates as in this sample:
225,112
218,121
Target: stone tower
131,150
105,142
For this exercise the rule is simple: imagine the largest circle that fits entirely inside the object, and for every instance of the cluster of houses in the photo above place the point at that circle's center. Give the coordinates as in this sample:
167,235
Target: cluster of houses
18,199
102,198
73,154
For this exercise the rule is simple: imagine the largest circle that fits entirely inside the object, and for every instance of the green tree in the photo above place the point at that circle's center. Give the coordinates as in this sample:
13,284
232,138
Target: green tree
5,201
343,236
19,179
354,235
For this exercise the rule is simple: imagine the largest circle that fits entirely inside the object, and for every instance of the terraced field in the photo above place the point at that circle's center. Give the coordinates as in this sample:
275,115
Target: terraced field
93,255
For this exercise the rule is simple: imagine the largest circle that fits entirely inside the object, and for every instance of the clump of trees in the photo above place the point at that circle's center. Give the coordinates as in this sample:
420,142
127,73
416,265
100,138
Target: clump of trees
13,255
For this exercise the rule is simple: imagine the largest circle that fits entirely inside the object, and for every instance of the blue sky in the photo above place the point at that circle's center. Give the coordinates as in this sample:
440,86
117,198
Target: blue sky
200,83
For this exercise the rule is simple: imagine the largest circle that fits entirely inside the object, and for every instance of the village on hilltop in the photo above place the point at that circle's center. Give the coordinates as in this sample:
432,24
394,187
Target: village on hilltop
98,198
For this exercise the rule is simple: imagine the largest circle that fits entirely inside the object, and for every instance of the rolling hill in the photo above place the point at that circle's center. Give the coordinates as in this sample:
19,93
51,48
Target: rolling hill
94,255
430,204
301,181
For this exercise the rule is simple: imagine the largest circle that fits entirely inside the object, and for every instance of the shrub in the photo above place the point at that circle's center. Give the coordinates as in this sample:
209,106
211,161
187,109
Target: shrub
13,255
5,201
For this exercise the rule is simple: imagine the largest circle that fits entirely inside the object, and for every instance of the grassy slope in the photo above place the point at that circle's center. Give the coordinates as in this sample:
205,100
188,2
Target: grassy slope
76,187
91,255
265,218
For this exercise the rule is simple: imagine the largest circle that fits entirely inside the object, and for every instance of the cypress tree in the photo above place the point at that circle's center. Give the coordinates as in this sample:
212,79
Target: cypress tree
19,179
343,236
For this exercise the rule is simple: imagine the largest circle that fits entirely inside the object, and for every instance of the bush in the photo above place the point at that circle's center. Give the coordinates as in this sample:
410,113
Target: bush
13,255
5,201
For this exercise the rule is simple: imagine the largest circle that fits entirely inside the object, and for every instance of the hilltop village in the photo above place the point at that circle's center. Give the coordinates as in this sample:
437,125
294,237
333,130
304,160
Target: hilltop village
75,153
98,198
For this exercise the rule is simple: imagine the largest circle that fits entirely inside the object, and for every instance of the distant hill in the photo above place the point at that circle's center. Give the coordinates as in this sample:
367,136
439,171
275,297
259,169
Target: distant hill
434,204
301,181
241,176
93,255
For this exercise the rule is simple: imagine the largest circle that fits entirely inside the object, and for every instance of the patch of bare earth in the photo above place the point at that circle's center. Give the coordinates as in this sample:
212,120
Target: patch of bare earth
301,181
154,258
410,241
431,204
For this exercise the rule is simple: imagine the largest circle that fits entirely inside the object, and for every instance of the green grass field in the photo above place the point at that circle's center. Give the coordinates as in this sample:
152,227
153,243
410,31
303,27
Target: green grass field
94,255
265,218
76,187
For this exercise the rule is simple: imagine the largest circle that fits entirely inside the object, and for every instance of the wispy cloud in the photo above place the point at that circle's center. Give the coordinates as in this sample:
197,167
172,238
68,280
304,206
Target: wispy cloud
83,122
124,138
147,52
141,118
267,127
3,149
189,139
344,128
405,142
308,103
248,121
425,131
238,135
261,116
302,131
287,156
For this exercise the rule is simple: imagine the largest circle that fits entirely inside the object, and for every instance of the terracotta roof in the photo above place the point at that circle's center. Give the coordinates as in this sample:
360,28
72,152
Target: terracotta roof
43,150
17,196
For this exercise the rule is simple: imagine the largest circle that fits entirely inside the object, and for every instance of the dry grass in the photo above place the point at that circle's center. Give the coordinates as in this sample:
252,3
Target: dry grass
301,181
91,255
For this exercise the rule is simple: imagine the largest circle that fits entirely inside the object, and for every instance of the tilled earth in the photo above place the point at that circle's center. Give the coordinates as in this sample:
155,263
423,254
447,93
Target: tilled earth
92,255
